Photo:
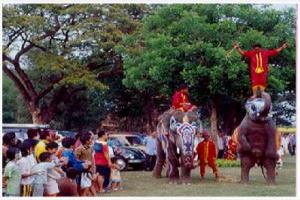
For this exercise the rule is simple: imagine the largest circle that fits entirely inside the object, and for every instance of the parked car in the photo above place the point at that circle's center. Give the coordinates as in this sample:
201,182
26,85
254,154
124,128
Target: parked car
129,139
127,156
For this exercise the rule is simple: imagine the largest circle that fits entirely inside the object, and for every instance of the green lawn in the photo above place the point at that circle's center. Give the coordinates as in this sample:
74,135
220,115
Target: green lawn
139,183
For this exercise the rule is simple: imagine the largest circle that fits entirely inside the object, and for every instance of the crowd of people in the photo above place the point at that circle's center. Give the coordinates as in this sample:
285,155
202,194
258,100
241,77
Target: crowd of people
43,165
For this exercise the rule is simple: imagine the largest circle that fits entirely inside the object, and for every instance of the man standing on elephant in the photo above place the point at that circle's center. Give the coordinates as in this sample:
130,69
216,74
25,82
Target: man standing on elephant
206,151
259,63
180,99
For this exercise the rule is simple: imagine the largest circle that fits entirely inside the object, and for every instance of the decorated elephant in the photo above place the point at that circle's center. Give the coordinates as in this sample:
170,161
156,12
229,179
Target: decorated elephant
175,143
257,139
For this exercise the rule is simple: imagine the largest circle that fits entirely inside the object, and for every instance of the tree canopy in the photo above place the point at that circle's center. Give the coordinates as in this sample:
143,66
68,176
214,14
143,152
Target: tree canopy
67,48
193,44
75,63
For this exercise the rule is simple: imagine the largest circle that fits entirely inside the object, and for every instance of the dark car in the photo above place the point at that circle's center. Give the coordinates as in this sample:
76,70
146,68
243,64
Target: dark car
127,157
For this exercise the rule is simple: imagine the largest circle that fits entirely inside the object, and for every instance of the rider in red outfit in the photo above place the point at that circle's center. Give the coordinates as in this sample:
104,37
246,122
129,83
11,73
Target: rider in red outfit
180,100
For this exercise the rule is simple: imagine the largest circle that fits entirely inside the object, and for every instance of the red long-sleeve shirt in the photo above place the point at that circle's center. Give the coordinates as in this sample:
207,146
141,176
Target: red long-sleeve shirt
259,65
179,100
206,151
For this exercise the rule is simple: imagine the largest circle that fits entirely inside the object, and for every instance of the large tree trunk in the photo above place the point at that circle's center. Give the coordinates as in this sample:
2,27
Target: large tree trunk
214,124
40,116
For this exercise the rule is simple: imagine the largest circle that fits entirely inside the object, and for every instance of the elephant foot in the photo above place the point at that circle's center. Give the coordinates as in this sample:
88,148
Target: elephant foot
174,181
244,182
156,174
186,181
271,182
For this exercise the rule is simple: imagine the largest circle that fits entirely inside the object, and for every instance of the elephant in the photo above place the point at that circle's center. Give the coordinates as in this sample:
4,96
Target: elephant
175,144
257,139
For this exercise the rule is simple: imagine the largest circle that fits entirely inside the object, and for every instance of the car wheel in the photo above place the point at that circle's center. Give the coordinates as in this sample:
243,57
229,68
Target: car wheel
122,163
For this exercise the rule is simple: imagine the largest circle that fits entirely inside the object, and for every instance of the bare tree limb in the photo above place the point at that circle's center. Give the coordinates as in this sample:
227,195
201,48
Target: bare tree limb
17,83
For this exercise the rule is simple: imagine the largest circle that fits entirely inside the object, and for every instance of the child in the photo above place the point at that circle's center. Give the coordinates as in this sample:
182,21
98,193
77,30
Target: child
67,186
51,187
86,183
41,171
12,174
115,176
25,166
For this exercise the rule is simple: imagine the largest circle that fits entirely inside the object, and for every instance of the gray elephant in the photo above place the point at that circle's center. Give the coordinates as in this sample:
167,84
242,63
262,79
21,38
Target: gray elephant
175,144
257,139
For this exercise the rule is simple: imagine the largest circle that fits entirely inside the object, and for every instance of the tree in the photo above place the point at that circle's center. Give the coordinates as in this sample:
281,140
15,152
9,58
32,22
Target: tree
71,46
192,43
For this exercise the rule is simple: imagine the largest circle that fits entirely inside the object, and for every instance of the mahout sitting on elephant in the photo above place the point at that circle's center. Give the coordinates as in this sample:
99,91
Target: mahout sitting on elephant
257,138
175,144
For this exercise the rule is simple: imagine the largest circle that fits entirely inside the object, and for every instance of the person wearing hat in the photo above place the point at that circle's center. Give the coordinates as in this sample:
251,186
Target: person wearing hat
207,155
259,63
180,99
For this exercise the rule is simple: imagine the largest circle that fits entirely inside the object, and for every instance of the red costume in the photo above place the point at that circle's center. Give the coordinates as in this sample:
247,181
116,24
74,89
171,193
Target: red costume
259,66
181,102
207,154
231,153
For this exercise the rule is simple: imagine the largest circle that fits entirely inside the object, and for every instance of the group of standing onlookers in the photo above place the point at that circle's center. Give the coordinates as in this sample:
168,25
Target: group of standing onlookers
44,166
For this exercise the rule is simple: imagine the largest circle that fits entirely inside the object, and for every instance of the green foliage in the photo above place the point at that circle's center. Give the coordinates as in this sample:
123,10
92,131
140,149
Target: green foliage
228,163
193,44
80,44
13,107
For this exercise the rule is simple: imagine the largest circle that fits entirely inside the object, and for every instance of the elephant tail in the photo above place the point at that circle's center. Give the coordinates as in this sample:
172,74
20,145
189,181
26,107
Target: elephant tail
263,171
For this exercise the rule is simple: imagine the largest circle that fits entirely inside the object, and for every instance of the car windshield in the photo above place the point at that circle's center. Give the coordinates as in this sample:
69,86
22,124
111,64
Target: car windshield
115,142
134,140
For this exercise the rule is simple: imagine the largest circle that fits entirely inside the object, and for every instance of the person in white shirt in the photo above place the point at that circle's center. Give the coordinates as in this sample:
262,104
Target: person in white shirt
25,165
221,144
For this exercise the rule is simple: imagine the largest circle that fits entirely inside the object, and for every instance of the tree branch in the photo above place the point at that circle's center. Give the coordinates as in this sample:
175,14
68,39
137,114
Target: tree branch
105,74
17,83
48,89
14,36
31,45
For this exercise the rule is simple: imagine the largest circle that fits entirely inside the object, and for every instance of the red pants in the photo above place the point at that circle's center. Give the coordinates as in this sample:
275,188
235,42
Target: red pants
211,164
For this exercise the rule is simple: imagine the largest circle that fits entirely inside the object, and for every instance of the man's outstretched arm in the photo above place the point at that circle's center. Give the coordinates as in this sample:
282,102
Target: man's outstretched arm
237,47
284,46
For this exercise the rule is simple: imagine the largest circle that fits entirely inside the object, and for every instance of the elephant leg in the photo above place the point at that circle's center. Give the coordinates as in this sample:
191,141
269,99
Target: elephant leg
271,145
173,164
246,164
243,143
185,175
270,165
160,160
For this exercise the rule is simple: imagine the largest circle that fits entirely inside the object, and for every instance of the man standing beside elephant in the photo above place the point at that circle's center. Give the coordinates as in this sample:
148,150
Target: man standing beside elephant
207,155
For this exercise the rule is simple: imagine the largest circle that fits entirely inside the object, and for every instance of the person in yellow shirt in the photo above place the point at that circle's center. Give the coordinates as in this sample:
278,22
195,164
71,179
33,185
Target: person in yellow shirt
41,145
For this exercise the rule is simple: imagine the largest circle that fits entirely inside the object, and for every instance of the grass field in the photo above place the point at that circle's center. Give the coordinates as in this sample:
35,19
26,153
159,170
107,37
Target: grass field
140,183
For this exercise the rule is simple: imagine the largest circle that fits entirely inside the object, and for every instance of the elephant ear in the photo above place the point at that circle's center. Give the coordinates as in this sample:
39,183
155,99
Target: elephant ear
197,125
174,124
